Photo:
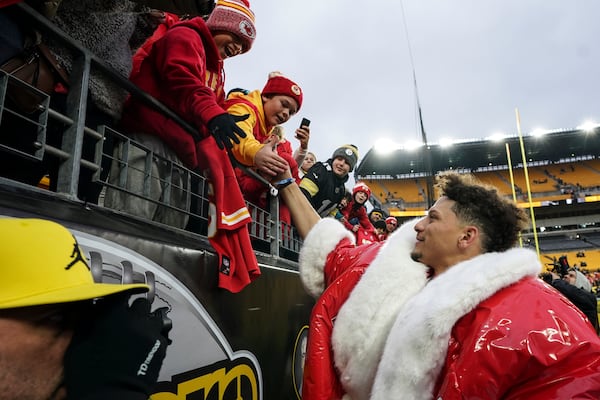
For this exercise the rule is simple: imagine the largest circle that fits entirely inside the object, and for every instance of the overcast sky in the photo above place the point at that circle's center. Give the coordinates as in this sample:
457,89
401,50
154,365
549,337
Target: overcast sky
475,63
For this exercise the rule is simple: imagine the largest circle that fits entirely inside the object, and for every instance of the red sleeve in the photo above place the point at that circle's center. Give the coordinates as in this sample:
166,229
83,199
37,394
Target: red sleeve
180,59
348,256
333,267
343,268
364,220
291,162
321,380
346,213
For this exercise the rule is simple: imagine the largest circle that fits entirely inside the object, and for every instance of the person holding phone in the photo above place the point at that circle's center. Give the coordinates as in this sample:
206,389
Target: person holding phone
279,100
302,152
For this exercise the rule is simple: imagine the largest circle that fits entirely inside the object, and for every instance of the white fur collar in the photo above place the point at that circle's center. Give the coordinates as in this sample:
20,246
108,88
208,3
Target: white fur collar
365,319
417,344
320,241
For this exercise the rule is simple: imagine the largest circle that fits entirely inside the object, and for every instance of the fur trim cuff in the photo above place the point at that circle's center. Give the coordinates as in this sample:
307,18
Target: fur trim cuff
320,241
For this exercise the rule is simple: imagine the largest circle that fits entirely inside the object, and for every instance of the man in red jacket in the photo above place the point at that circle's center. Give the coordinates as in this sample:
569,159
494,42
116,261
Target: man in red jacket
483,326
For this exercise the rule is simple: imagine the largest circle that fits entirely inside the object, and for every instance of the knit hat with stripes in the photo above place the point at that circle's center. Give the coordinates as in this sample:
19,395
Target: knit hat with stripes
234,16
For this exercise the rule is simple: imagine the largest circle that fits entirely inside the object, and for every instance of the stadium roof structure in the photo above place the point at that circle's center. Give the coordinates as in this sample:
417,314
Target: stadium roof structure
567,225
554,146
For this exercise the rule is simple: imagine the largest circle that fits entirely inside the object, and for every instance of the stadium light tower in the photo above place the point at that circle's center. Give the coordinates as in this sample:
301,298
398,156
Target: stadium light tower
426,156
427,150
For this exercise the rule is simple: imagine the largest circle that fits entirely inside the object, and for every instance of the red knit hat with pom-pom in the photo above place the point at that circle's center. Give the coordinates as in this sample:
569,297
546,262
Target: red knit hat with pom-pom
280,85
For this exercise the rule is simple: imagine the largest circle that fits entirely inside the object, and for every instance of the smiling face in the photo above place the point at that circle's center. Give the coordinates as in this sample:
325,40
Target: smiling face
228,44
278,108
340,167
441,237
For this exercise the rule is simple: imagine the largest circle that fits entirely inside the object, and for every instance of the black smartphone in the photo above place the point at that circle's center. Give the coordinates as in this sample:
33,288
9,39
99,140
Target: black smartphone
305,122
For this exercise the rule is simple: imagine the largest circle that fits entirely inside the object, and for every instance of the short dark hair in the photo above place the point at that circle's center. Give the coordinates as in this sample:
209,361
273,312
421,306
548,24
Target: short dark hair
479,204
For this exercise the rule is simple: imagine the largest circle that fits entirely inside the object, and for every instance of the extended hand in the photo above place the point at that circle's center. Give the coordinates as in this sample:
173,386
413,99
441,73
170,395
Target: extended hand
267,161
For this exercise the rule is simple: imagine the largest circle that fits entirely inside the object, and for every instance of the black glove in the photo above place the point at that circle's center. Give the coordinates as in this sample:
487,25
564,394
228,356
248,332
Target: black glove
225,130
116,351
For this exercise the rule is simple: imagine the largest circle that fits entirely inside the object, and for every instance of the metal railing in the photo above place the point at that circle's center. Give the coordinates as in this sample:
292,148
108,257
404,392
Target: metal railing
266,229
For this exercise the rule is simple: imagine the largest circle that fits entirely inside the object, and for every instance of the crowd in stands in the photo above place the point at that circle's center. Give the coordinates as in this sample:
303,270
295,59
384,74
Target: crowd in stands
555,181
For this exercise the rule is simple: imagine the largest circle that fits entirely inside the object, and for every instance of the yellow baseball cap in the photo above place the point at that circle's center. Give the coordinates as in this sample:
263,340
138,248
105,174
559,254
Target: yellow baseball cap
42,263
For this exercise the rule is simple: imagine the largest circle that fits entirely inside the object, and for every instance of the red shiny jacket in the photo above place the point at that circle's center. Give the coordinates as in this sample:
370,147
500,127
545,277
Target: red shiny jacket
343,269
360,290
506,348
488,328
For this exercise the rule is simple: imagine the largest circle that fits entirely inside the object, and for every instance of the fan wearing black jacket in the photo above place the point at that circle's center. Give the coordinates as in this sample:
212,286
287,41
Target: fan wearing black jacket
575,287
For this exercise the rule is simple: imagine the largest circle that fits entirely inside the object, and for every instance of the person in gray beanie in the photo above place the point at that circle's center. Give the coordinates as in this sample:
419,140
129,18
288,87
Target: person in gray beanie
323,185
349,153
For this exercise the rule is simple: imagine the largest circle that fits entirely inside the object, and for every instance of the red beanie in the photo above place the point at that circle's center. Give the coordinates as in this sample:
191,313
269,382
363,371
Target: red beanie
279,84
391,220
234,16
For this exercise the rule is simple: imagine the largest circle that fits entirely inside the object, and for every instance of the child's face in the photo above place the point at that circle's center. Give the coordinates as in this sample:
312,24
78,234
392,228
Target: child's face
228,44
360,197
309,161
344,202
278,109
340,167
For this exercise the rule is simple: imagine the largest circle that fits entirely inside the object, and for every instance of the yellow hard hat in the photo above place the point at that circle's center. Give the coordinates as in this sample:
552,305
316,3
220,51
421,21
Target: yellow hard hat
41,263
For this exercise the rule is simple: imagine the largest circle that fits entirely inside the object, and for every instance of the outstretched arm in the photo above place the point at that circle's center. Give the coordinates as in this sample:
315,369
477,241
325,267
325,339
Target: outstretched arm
303,213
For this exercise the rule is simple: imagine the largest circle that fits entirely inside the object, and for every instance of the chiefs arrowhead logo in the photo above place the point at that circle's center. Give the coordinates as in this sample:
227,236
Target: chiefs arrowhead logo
247,29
